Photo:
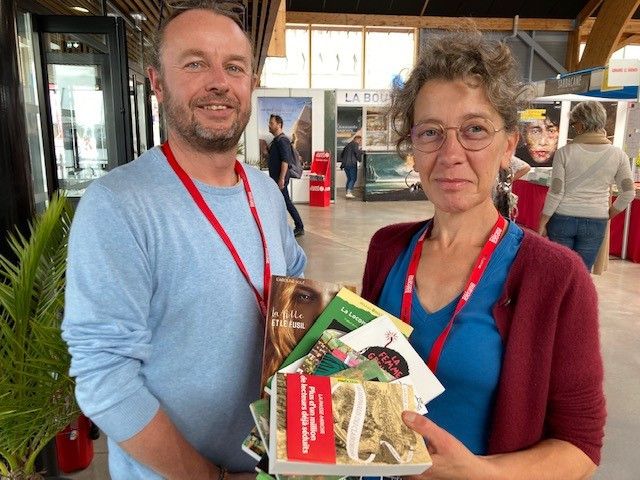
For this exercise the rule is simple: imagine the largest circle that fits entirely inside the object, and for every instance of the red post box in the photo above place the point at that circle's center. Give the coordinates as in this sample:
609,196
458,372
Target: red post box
74,446
320,180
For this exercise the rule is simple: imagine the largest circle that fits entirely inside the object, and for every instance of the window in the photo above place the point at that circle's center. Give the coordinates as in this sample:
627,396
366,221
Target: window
336,58
388,53
333,57
293,70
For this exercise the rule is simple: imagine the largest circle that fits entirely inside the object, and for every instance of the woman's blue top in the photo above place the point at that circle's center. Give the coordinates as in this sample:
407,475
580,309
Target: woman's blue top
470,363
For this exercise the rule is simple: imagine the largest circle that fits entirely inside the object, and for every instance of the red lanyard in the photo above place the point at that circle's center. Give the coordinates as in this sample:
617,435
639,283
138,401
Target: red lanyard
197,198
476,274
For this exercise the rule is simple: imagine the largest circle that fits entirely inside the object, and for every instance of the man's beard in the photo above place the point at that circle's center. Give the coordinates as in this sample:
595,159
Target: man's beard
184,122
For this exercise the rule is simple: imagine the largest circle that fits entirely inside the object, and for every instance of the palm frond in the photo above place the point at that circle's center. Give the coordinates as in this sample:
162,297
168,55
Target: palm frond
37,399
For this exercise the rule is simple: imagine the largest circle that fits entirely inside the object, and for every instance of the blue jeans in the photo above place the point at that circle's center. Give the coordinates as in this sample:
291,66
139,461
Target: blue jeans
352,176
580,234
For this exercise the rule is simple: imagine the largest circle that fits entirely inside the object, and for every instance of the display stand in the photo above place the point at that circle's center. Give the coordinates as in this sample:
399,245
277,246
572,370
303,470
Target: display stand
320,180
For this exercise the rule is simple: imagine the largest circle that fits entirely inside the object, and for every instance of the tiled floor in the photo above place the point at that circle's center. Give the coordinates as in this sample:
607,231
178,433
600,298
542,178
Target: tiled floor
336,241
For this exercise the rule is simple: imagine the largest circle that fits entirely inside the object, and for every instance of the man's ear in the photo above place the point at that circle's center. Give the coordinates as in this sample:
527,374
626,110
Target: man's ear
254,82
156,83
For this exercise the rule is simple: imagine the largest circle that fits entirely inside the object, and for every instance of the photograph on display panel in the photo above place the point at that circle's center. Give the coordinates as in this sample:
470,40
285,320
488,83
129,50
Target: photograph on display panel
389,177
377,131
296,119
349,123
539,128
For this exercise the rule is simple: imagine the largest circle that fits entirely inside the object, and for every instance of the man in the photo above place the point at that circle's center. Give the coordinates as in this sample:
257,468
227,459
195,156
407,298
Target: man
280,155
163,326
349,158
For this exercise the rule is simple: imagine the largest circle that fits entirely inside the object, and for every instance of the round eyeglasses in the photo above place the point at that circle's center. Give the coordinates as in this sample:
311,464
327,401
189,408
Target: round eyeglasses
473,134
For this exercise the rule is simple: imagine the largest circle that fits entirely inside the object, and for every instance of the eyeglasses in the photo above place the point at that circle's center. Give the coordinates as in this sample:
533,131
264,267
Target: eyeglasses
474,134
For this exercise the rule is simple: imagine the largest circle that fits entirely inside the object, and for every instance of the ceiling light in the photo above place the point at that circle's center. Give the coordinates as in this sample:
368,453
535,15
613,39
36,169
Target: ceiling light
138,17
80,9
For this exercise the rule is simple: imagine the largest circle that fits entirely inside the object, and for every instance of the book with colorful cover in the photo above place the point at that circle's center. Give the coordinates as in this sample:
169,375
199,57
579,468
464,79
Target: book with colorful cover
380,340
345,313
332,426
260,413
253,445
294,304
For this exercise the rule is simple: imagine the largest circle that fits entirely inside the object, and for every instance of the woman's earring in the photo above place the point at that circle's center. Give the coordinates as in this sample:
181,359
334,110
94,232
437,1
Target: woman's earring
509,199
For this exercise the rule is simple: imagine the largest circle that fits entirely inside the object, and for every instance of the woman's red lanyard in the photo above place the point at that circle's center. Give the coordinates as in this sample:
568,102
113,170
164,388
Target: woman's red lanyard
476,274
200,202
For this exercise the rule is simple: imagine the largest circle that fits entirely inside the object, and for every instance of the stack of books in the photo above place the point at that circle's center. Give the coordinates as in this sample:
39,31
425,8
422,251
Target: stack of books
337,373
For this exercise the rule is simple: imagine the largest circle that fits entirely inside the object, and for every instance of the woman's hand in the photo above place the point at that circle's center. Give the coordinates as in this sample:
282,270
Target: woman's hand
542,226
451,459
542,230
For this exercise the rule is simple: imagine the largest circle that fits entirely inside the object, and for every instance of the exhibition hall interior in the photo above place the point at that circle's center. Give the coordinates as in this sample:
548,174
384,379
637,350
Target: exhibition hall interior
77,102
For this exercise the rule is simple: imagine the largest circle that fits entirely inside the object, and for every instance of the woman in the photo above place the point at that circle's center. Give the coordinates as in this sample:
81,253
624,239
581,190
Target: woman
521,364
576,210
349,159
540,139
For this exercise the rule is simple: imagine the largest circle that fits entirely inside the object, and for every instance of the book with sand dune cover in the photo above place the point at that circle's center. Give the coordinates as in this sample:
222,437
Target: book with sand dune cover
333,426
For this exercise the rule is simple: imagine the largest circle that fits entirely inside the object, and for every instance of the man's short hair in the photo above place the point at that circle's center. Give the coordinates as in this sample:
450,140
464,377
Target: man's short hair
233,10
277,118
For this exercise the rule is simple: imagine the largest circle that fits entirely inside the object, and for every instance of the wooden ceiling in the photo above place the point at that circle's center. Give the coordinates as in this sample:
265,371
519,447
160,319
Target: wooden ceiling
579,17
260,18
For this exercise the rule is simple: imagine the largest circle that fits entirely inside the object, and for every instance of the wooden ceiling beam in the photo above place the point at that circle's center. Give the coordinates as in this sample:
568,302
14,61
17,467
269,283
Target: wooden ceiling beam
587,11
408,21
608,27
266,21
277,43
628,40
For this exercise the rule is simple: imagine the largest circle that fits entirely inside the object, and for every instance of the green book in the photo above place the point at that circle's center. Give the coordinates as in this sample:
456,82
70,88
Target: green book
346,312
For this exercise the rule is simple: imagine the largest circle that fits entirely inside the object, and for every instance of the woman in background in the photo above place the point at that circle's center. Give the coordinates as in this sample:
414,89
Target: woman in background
507,320
576,209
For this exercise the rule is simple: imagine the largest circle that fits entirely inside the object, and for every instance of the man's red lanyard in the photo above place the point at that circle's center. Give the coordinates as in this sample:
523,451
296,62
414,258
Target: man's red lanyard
476,274
200,202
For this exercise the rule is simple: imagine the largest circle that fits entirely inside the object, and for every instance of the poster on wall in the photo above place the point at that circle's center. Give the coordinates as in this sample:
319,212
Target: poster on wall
296,124
539,128
389,177
348,123
377,131
610,126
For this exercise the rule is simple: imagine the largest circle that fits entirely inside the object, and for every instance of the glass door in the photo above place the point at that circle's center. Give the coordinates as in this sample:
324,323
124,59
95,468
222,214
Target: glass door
85,98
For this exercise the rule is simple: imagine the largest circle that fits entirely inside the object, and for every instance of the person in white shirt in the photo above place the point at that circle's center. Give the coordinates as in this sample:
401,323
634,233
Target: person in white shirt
577,208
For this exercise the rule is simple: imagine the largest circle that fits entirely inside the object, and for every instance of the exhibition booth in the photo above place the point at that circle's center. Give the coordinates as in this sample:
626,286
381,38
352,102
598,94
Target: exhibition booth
304,123
326,121
546,127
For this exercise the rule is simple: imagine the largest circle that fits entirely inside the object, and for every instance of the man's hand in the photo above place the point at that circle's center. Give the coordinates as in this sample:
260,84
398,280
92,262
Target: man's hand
451,459
161,447
281,183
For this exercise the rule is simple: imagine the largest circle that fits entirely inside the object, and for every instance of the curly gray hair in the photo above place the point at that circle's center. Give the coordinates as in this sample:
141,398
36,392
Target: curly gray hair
462,55
590,114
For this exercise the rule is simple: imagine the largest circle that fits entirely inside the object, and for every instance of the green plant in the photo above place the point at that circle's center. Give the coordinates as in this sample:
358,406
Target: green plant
36,392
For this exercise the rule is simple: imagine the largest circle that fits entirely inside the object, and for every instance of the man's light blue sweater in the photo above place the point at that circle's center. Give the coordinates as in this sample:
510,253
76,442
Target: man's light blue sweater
157,313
